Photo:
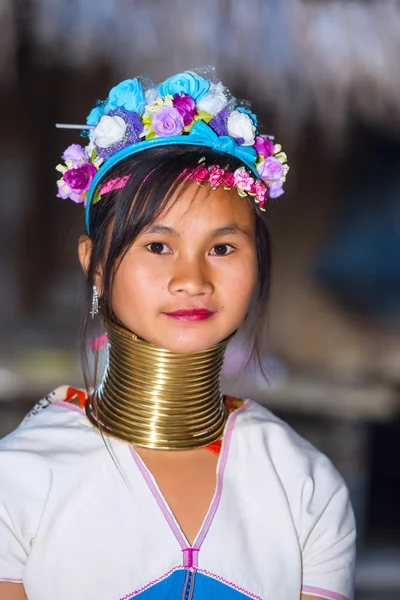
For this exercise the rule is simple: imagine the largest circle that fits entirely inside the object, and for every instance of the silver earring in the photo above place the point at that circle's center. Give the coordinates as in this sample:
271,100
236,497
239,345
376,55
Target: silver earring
95,303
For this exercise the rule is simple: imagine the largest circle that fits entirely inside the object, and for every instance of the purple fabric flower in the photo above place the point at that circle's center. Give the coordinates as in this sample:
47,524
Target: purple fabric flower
270,169
264,146
76,154
218,123
167,122
275,189
64,192
76,182
186,107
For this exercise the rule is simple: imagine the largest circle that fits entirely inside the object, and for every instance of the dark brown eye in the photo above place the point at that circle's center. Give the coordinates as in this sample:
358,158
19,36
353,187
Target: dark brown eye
222,249
157,248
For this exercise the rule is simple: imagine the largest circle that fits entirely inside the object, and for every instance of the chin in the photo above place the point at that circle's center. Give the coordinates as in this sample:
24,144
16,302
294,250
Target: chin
187,343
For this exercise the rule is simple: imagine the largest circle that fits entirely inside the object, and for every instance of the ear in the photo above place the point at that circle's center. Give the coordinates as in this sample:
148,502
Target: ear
85,254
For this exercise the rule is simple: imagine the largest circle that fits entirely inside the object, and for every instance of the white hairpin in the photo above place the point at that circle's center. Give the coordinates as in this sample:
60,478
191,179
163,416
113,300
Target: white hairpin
71,126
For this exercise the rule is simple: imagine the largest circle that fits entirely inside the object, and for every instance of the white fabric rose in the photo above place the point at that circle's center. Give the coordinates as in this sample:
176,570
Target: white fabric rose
109,131
239,125
214,101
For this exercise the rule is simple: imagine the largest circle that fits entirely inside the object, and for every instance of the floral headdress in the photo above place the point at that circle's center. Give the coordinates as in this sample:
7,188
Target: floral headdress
184,109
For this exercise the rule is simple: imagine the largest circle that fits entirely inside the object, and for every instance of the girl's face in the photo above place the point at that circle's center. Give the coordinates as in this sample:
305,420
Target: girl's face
186,282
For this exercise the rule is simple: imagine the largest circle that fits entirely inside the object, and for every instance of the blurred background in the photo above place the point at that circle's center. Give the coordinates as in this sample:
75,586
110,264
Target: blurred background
324,78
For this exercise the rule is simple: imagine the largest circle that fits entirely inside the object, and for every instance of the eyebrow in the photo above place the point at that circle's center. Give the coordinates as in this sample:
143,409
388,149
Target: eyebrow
229,229
161,229
232,229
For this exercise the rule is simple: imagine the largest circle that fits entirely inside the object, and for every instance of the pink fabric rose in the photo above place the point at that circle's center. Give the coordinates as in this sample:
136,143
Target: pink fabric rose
243,181
229,179
264,146
216,175
261,192
271,169
200,174
167,122
186,107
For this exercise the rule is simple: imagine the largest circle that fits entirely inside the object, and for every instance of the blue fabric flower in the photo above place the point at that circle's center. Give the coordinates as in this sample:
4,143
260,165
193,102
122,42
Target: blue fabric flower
248,112
129,95
95,115
185,83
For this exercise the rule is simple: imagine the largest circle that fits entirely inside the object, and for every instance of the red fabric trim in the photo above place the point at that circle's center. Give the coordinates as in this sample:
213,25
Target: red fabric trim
231,404
75,393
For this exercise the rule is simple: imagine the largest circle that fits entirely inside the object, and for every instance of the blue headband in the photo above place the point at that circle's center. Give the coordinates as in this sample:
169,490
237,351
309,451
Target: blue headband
200,135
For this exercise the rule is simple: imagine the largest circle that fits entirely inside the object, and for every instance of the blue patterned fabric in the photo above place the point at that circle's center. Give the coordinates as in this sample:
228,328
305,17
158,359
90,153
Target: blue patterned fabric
188,585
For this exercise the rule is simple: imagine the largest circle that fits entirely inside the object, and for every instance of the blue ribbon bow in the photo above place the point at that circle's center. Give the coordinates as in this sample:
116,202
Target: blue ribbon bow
201,134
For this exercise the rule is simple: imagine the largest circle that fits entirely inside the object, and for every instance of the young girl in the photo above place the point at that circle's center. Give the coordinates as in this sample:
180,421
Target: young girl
152,484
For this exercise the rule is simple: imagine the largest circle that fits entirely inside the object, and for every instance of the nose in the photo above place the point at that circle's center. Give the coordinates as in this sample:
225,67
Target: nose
191,277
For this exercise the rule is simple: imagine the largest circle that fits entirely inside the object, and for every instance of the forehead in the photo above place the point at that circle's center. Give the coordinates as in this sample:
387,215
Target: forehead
202,206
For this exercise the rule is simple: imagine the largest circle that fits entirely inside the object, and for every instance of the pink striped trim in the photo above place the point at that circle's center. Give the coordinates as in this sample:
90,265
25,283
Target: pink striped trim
10,580
151,583
220,470
230,584
68,406
218,492
323,593
160,501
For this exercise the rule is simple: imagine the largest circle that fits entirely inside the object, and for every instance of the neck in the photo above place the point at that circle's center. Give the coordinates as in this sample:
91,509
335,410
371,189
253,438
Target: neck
154,398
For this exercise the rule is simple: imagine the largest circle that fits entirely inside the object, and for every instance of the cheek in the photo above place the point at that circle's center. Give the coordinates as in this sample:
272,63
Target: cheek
239,281
135,285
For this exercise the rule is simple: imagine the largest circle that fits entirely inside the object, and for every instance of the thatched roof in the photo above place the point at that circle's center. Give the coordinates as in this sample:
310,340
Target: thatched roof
305,58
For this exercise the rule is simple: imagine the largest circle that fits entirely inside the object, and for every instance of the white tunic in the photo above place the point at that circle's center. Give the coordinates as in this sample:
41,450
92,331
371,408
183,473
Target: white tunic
83,520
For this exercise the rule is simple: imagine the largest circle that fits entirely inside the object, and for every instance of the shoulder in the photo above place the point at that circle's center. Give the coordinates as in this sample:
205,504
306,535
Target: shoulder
54,436
297,462
53,424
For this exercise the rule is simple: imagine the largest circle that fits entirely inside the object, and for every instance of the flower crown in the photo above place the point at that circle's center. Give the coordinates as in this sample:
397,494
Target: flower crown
184,109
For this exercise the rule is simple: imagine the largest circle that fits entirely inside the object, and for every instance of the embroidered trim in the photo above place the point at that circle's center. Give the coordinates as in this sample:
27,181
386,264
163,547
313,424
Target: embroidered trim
188,585
190,556
151,583
323,593
10,579
163,506
230,584
39,406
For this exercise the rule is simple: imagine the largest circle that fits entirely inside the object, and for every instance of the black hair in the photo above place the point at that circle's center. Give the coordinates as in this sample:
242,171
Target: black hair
154,179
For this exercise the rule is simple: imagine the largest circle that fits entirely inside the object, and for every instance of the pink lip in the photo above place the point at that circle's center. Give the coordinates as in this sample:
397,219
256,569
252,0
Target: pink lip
196,314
